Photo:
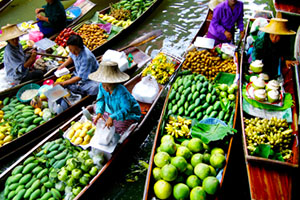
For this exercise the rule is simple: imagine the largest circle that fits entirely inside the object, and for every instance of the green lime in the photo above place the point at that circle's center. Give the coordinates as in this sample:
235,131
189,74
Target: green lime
162,189
189,170
180,163
161,159
212,171
156,173
202,170
217,160
195,145
181,191
217,150
166,138
185,143
184,152
169,172
196,159
206,158
198,193
210,185
193,181
158,149
168,147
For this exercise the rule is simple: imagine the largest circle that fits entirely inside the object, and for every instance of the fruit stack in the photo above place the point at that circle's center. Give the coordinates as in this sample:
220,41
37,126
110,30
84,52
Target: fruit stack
186,170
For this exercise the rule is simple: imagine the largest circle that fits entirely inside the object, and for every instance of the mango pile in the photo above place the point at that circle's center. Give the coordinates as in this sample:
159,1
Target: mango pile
59,168
161,67
114,21
204,62
187,170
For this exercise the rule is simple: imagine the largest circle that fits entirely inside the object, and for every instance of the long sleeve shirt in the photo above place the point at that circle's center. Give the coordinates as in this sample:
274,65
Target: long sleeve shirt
56,15
120,104
85,63
14,59
224,19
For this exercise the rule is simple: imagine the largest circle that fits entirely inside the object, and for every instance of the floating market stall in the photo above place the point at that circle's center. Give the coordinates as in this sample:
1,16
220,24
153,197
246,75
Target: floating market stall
194,135
270,129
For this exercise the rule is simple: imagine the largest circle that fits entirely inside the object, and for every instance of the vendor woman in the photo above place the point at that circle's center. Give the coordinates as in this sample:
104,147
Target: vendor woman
54,20
272,45
85,63
115,104
16,63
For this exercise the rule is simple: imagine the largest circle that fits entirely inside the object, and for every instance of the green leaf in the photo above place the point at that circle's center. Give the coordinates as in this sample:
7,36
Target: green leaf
263,150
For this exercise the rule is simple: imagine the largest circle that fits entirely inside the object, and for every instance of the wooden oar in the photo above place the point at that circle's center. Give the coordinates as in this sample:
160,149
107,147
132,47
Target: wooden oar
143,39
50,55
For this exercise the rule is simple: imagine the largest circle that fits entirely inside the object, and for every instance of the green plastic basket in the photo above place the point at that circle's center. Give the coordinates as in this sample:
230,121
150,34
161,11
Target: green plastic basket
27,87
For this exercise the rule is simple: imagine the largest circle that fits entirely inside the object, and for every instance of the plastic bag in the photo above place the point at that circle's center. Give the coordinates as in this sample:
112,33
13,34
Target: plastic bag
103,134
118,57
35,36
146,90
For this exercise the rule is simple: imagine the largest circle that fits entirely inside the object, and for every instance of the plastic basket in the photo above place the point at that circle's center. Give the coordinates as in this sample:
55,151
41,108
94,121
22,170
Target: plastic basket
212,121
26,87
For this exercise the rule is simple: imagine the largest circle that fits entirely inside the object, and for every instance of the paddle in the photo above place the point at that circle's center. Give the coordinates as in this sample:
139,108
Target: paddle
50,55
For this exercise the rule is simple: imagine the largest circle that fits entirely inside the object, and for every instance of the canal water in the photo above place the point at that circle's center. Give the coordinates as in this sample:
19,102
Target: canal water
179,20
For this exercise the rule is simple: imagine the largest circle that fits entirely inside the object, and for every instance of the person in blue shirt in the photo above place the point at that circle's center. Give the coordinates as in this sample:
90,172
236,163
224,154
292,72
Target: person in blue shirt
85,63
114,104
16,63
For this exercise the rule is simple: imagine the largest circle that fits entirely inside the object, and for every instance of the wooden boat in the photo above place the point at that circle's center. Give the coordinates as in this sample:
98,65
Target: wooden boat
146,110
4,4
290,7
276,177
149,184
140,58
101,49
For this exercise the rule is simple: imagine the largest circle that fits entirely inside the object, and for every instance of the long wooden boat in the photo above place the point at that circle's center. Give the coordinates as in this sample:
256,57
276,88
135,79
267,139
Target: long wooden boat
4,4
103,47
139,57
291,7
146,109
149,184
276,177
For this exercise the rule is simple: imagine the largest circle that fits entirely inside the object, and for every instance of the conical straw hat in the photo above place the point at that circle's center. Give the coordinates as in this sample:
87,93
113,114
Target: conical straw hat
277,26
109,72
10,31
213,4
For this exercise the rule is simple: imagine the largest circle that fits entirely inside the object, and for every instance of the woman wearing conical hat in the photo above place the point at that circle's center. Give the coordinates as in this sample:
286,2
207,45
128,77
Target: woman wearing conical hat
115,104
16,64
271,45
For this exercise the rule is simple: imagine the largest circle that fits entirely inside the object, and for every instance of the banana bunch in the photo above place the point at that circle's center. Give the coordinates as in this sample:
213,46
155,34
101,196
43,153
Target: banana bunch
26,26
114,21
178,127
63,78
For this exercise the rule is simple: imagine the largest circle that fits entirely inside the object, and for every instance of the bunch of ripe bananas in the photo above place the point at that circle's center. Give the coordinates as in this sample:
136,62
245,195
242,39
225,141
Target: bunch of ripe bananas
178,127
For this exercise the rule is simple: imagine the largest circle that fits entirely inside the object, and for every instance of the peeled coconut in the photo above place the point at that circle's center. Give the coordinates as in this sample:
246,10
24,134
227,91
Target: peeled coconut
260,94
263,76
272,85
256,66
258,84
273,95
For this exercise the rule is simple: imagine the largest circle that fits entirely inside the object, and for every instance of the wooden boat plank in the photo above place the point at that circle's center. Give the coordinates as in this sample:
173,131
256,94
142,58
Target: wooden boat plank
85,7
4,4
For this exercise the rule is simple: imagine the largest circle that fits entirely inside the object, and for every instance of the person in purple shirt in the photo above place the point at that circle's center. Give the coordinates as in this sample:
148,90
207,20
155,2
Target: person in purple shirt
225,15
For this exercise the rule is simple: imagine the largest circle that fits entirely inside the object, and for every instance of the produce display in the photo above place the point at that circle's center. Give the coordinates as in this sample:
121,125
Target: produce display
92,35
114,21
63,37
58,171
81,133
186,170
208,64
161,68
18,118
193,96
178,127
264,136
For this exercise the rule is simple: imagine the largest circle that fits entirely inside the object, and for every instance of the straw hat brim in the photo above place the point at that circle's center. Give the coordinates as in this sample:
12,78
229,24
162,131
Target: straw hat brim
277,26
277,32
109,74
12,36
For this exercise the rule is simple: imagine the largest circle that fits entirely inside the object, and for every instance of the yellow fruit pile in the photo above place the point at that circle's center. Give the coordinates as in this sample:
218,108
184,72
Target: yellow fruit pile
63,78
5,129
114,21
160,68
178,127
81,133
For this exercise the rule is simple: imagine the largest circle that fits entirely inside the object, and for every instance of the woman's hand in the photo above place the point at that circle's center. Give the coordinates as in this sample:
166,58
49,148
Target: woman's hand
99,115
61,67
228,35
59,83
109,122
38,10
